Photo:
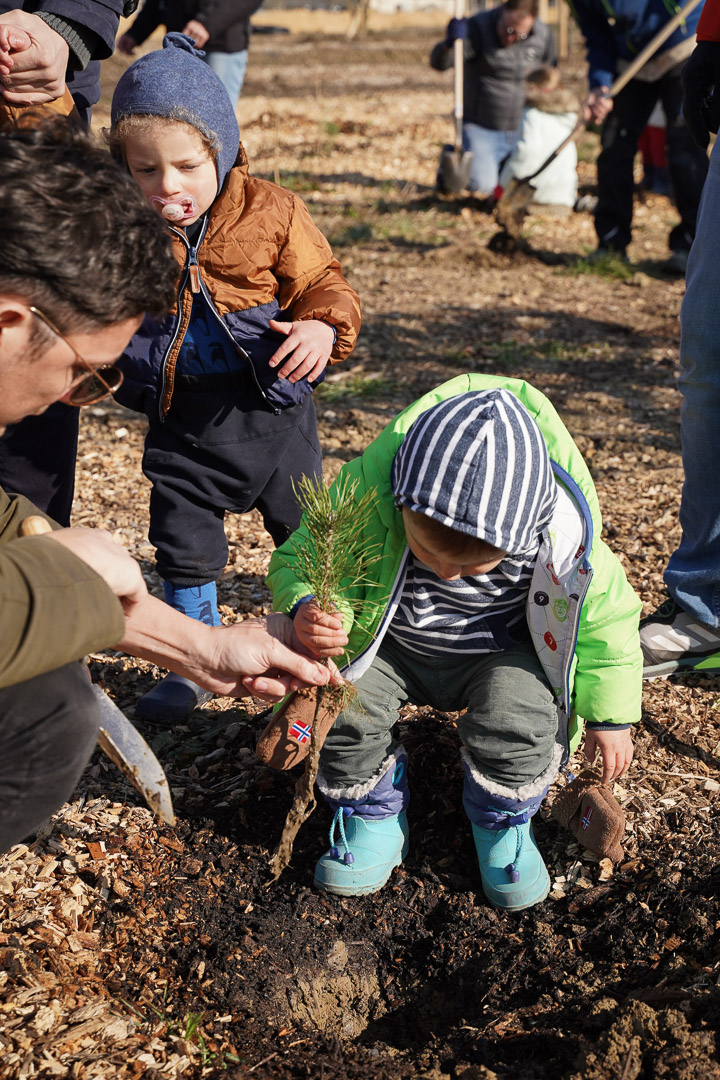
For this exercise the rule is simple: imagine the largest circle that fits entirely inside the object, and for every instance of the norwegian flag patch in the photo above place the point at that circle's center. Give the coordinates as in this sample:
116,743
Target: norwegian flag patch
300,732
586,818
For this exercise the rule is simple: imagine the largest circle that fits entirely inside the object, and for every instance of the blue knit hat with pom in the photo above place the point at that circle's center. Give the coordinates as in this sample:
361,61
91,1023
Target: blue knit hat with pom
176,83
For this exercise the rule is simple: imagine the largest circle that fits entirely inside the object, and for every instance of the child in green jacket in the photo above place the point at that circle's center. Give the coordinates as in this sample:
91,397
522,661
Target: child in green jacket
496,597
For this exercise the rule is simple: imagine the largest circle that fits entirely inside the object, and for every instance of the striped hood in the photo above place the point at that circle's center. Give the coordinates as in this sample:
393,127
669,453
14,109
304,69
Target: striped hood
478,463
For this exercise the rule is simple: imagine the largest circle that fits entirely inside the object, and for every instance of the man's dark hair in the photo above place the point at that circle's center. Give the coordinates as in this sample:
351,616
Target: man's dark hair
522,7
77,238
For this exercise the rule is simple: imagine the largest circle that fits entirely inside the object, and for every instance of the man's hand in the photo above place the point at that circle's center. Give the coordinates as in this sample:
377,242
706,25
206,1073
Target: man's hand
33,60
265,656
320,632
616,750
597,105
197,31
126,44
457,30
111,561
307,348
701,101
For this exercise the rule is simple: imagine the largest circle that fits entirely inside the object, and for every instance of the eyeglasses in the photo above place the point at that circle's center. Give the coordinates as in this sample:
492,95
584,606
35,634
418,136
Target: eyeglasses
511,32
95,383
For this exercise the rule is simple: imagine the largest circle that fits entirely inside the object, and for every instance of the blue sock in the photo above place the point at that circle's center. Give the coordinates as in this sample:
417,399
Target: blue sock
196,601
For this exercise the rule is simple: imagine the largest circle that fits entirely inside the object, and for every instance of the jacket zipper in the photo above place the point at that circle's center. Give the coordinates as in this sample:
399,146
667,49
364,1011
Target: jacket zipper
197,286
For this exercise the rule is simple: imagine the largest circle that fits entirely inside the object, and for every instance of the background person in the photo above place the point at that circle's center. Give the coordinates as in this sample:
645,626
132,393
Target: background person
684,633
614,35
220,27
501,46
549,116
67,309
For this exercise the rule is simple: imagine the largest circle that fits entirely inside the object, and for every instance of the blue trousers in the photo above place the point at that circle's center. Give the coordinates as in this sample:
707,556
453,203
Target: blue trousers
230,68
693,572
489,149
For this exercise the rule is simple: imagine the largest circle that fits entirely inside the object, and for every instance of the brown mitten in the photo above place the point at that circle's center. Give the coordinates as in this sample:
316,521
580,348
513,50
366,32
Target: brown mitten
593,815
286,739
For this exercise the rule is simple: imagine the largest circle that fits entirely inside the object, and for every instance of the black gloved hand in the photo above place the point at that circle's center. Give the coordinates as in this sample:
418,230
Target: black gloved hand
701,91
457,30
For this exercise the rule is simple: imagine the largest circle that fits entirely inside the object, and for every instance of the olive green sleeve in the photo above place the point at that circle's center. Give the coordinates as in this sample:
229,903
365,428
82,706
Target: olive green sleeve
54,607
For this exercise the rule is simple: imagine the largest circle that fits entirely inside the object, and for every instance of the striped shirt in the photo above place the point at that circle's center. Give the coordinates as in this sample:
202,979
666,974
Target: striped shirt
473,615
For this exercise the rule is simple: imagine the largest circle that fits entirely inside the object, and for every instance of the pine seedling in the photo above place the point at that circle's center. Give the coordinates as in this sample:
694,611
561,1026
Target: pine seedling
334,562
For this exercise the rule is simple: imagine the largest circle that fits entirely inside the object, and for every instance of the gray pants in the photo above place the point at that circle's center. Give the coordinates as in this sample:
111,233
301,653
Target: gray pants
509,727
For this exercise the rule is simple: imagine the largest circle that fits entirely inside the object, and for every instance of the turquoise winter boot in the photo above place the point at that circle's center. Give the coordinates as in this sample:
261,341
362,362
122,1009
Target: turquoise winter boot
369,832
368,852
512,870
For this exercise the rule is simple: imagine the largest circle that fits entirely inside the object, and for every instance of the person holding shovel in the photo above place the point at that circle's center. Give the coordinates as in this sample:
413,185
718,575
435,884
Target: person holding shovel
67,309
501,46
614,36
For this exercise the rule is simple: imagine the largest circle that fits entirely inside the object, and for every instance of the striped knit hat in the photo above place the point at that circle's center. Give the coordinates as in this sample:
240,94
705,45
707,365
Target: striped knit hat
478,463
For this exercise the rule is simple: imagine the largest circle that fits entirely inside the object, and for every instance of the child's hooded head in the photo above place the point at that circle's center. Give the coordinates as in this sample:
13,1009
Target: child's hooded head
478,465
175,127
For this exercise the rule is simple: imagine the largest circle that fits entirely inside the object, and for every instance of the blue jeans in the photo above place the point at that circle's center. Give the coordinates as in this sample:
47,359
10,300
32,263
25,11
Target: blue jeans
693,572
230,68
489,149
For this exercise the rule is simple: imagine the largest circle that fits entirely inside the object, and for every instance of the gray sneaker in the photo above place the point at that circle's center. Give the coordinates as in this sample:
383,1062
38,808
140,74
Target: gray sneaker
672,640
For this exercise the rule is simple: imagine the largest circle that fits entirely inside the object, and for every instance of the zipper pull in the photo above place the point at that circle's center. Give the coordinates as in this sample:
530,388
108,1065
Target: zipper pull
194,278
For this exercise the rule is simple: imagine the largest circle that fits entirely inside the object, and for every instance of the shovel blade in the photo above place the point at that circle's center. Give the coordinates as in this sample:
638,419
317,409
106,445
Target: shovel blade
125,746
454,169
512,205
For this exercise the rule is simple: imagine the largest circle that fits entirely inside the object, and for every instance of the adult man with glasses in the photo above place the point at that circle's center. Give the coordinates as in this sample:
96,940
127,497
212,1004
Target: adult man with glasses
501,46
84,257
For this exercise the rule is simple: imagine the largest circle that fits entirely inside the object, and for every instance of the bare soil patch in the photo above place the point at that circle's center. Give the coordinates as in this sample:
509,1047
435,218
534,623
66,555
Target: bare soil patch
129,950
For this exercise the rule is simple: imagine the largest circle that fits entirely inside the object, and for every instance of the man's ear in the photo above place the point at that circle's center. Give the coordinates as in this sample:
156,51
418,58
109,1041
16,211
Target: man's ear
15,326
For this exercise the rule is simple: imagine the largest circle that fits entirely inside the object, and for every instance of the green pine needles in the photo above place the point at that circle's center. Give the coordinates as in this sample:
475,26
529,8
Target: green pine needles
334,561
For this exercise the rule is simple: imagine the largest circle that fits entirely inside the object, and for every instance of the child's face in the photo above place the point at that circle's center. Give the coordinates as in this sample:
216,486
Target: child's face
168,161
447,565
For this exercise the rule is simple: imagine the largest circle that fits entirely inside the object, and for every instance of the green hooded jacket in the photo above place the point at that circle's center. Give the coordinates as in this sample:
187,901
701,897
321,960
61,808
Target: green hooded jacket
582,613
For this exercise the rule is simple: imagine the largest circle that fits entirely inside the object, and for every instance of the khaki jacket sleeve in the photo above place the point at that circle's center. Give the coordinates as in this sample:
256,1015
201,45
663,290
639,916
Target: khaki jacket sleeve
312,285
55,608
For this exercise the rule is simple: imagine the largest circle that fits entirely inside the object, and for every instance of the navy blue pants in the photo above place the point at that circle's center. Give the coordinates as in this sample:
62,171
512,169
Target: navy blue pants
214,453
48,730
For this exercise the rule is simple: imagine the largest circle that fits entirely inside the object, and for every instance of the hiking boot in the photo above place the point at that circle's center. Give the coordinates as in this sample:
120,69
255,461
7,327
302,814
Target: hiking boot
672,640
513,873
363,852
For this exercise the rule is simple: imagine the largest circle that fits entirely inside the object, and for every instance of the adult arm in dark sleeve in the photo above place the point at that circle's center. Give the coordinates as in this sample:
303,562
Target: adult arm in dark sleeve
600,46
217,16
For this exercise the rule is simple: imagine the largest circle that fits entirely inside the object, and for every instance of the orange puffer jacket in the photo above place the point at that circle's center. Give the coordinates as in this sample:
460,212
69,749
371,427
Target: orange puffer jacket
259,257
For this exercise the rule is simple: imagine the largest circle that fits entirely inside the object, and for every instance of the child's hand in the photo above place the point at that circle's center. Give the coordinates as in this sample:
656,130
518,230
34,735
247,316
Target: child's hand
319,631
616,749
307,348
